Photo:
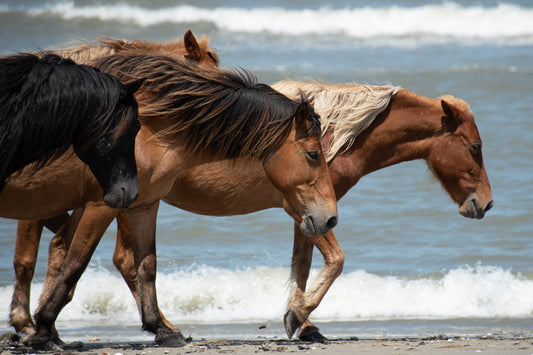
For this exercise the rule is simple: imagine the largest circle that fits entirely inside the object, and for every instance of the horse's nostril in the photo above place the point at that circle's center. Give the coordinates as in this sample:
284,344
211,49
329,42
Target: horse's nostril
332,222
489,206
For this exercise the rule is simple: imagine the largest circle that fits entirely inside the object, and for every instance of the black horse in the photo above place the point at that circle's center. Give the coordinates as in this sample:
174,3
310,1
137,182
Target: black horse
49,103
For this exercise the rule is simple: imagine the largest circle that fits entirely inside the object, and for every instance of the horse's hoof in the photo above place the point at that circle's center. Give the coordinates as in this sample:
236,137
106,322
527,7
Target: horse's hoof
73,345
59,342
312,334
9,338
43,344
292,322
171,339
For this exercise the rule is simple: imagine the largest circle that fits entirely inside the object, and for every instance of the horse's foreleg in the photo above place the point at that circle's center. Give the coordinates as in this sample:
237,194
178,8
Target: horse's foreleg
302,256
94,221
302,302
124,262
57,252
123,256
26,249
142,227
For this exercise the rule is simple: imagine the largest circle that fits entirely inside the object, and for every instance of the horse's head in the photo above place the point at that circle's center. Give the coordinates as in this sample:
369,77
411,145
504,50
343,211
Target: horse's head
299,170
457,161
199,52
111,157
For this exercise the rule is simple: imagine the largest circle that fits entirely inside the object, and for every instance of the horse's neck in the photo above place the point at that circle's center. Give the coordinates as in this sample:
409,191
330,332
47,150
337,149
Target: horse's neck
401,133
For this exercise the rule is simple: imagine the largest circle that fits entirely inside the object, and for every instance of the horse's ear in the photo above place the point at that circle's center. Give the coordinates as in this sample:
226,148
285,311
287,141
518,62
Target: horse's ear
450,121
133,86
301,117
192,47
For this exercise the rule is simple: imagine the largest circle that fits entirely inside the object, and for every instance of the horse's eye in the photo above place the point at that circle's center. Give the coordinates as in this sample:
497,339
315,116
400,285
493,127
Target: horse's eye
313,155
475,148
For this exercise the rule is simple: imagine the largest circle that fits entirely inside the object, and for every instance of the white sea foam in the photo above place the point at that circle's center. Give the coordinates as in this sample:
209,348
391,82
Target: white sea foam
207,295
426,22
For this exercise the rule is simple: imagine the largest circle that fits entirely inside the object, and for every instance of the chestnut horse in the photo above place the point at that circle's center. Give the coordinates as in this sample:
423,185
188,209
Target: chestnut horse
190,117
48,104
365,129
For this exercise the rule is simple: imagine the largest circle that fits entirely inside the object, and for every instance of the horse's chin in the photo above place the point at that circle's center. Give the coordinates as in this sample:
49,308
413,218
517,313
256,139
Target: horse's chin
307,227
472,207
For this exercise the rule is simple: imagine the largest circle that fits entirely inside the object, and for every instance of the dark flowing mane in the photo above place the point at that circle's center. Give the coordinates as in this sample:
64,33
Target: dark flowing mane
47,104
224,112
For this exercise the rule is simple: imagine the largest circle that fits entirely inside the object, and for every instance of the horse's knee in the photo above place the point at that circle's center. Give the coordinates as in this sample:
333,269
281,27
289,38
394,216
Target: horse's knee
336,263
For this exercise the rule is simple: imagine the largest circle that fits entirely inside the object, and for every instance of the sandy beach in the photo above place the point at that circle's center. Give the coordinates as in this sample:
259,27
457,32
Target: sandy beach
515,345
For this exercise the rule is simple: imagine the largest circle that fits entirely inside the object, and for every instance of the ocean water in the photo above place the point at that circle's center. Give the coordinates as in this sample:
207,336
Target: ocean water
414,266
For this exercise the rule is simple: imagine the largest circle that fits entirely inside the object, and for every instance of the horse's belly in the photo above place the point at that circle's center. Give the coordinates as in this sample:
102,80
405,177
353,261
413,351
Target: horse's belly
222,189
35,206
52,190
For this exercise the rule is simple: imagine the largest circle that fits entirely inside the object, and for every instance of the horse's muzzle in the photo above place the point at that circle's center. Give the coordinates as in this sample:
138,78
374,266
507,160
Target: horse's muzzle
474,207
316,225
122,195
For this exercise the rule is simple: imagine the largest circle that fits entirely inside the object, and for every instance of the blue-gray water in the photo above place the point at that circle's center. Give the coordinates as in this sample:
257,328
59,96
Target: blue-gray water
413,264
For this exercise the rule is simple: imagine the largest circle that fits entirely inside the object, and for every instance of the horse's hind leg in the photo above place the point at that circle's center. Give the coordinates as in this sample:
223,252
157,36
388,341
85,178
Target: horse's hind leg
26,250
302,303
124,262
142,224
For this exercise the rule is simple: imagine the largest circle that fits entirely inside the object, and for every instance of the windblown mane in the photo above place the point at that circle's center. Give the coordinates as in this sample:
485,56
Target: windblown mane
48,103
107,46
345,110
224,112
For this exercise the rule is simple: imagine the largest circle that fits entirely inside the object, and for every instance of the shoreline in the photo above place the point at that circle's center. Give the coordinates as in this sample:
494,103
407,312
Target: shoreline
516,345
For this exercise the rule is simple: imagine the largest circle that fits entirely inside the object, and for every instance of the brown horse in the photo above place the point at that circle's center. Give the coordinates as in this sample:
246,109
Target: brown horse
190,117
365,129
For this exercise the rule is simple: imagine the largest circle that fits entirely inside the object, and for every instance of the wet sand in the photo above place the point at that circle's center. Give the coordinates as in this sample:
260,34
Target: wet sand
515,345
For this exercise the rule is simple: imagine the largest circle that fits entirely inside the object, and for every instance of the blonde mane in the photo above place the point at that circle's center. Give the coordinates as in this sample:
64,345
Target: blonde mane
345,110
